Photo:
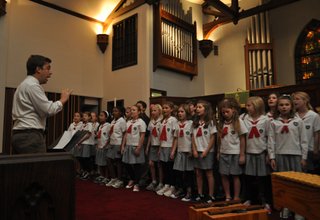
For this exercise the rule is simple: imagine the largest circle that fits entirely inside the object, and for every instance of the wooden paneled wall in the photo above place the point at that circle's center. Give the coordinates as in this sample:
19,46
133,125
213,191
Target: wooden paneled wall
312,89
213,99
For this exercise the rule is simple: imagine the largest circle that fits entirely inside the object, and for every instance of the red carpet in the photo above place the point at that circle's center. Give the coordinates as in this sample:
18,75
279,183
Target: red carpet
96,202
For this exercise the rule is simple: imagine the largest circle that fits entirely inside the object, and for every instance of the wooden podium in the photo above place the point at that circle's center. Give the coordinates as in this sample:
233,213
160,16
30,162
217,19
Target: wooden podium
37,187
299,192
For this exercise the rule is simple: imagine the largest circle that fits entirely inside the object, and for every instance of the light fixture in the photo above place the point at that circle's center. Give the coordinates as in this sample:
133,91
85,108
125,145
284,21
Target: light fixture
102,41
205,46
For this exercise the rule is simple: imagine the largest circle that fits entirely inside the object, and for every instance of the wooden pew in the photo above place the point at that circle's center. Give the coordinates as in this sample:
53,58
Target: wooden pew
260,214
299,192
196,211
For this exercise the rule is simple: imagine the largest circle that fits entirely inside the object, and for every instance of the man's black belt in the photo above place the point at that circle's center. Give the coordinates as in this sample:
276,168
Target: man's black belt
28,130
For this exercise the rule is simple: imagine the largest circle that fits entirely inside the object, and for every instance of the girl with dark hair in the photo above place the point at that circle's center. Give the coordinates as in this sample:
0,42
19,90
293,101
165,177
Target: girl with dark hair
117,129
204,129
287,141
182,154
102,138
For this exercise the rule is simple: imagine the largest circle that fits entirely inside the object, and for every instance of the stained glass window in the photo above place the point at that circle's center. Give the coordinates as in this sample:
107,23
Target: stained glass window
308,54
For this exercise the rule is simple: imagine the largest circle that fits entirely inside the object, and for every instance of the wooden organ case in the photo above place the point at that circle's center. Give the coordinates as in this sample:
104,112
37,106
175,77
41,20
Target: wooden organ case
175,42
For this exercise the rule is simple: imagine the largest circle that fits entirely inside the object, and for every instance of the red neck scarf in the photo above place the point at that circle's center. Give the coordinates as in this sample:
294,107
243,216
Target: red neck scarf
285,128
99,132
111,130
225,129
199,132
254,131
181,126
224,132
163,134
154,130
129,130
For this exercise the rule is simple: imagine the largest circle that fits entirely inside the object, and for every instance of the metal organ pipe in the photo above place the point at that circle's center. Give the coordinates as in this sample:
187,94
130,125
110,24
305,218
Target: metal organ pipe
259,60
176,41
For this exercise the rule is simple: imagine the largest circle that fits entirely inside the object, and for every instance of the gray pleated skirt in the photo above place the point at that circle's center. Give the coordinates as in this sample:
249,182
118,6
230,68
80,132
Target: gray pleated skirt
93,150
113,151
165,154
130,158
205,163
256,165
183,162
86,150
229,164
101,156
287,162
76,151
153,153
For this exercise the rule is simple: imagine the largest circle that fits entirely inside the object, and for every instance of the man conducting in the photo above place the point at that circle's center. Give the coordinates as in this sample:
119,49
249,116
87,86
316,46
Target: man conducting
31,107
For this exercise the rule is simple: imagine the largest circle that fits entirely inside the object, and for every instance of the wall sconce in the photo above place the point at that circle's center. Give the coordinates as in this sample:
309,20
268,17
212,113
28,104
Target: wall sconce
205,46
102,41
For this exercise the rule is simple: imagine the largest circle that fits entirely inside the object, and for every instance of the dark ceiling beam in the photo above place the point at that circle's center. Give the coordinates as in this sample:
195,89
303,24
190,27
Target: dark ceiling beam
235,5
119,10
211,26
111,15
207,11
265,7
221,7
67,11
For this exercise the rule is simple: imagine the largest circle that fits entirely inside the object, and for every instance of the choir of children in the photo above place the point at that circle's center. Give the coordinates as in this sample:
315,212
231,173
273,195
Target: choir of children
181,147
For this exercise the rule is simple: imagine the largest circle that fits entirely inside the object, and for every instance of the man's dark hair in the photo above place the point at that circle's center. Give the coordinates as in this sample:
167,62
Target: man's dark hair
35,61
144,105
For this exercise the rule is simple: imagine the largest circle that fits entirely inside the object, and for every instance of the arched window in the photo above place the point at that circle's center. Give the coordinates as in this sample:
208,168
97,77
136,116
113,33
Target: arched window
307,54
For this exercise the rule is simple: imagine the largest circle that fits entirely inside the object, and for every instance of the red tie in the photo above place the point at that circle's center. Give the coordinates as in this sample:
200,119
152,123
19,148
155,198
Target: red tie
254,131
129,129
154,132
111,130
181,130
285,128
99,134
199,132
163,135
224,132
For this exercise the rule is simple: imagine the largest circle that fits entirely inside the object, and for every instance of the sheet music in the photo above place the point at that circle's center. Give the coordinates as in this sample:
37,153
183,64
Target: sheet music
64,140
